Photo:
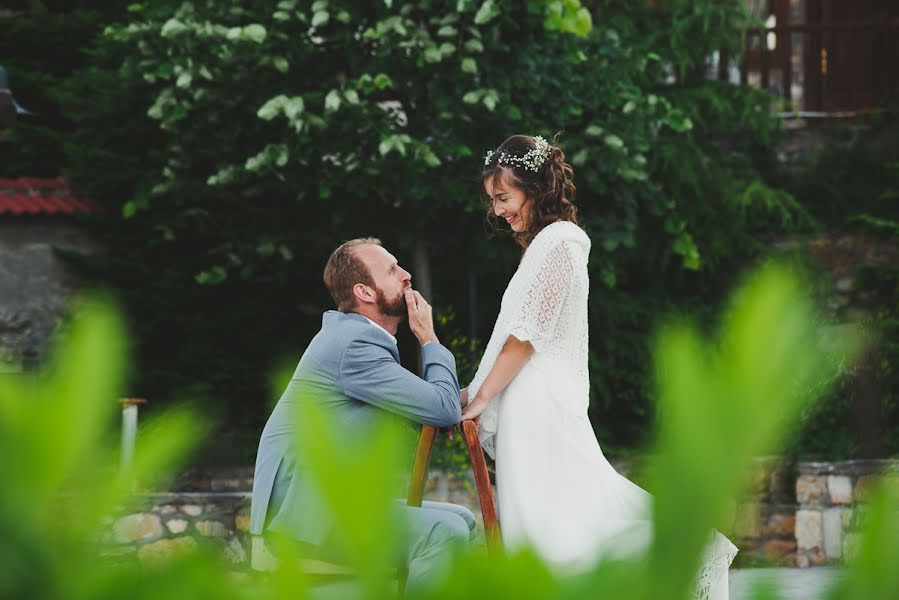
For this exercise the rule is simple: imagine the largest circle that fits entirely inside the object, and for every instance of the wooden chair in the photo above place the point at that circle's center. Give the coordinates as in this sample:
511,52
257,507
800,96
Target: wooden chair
320,571
478,467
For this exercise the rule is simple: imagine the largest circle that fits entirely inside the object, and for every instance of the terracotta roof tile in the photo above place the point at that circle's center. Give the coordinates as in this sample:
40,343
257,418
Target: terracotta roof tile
36,196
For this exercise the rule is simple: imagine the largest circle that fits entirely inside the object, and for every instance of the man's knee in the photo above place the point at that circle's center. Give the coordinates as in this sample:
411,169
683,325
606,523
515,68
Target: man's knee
451,529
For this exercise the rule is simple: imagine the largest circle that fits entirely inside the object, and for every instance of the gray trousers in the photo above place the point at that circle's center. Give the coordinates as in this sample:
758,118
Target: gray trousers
435,530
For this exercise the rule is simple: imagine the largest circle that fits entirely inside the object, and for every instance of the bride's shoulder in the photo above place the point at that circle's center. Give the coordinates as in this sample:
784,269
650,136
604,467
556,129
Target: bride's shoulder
558,232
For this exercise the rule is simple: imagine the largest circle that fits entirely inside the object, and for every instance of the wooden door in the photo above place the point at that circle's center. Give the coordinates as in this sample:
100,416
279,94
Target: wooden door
850,56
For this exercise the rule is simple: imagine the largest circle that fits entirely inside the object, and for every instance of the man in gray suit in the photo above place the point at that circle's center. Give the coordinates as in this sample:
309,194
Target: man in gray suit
352,368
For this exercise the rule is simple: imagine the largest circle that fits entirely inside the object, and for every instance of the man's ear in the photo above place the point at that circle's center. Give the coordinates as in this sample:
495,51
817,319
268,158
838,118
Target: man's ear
363,293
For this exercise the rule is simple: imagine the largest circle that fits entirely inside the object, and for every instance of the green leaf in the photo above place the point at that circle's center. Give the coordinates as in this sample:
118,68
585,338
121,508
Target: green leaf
608,277
285,252
281,64
447,31
320,18
633,174
351,96
474,45
472,97
613,141
429,157
686,247
394,142
213,276
332,101
382,81
469,65
678,121
255,33
446,49
486,13
272,108
580,157
433,55
173,27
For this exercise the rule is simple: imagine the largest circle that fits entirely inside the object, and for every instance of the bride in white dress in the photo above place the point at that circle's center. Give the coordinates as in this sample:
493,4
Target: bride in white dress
556,491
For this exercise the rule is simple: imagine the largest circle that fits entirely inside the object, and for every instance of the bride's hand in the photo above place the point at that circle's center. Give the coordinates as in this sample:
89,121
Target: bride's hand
474,409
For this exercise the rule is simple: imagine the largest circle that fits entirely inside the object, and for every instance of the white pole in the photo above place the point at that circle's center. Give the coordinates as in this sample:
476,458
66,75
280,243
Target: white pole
129,430
129,434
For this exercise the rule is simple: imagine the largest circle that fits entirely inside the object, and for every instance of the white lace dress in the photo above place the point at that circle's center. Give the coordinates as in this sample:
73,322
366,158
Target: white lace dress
555,489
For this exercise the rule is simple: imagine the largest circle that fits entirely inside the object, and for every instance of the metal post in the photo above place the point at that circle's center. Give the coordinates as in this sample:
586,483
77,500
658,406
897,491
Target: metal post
129,429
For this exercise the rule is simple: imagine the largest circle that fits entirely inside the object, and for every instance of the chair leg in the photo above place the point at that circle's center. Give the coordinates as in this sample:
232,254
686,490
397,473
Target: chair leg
485,490
420,465
417,486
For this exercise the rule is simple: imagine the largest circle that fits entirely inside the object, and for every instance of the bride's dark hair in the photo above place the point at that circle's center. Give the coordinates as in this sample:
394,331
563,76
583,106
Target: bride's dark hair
549,191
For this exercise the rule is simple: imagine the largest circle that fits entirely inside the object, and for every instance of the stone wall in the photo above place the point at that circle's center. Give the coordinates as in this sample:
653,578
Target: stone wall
35,285
796,515
764,521
840,255
211,509
830,497
170,523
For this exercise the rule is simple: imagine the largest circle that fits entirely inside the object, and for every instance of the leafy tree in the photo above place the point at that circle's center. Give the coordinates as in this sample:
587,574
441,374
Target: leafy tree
236,143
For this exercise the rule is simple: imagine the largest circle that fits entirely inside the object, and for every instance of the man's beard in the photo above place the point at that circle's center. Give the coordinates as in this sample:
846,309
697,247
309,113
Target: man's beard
393,308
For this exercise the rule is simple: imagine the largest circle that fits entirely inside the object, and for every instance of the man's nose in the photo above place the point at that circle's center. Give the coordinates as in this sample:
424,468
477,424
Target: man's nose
406,275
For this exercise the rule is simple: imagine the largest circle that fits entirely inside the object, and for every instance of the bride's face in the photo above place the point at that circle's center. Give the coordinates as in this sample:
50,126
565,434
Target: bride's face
509,202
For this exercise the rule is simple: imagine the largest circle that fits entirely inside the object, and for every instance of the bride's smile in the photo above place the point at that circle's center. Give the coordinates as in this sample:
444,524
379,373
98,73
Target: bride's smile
509,202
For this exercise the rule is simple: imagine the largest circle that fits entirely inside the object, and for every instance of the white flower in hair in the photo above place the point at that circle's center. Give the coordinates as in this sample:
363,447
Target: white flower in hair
532,160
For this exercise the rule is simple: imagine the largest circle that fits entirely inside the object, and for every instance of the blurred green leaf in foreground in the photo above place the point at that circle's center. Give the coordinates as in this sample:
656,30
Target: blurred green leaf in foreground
721,401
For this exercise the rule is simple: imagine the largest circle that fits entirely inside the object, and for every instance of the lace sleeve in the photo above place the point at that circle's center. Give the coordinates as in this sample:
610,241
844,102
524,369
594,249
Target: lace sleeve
538,314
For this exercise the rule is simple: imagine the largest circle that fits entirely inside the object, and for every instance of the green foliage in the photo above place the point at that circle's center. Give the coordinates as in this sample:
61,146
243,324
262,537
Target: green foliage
851,185
62,480
724,399
235,144
41,49
833,428
451,454
853,181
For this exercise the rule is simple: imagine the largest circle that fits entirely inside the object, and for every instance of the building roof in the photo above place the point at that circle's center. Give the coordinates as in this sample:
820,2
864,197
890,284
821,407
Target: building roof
37,196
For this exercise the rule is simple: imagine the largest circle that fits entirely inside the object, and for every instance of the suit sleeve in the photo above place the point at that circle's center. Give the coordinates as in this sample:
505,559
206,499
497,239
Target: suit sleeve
369,373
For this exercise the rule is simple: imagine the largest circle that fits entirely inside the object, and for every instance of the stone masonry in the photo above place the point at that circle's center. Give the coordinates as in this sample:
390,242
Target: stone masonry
830,497
796,515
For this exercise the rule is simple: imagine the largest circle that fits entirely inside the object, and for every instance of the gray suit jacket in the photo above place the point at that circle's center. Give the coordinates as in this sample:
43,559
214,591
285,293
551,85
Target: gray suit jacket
352,368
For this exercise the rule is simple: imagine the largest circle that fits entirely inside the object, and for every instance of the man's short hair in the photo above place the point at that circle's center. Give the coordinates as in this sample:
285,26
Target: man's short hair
345,269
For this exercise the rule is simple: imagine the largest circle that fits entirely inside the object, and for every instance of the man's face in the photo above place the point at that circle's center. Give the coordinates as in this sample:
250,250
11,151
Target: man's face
390,279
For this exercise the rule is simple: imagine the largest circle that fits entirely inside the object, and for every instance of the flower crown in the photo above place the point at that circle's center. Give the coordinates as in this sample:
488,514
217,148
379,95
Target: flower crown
532,160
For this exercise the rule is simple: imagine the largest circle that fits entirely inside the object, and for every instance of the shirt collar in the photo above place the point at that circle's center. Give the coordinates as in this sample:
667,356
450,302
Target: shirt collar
381,328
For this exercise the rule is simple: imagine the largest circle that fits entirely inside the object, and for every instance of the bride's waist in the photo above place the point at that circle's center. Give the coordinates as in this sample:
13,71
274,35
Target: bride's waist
558,377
